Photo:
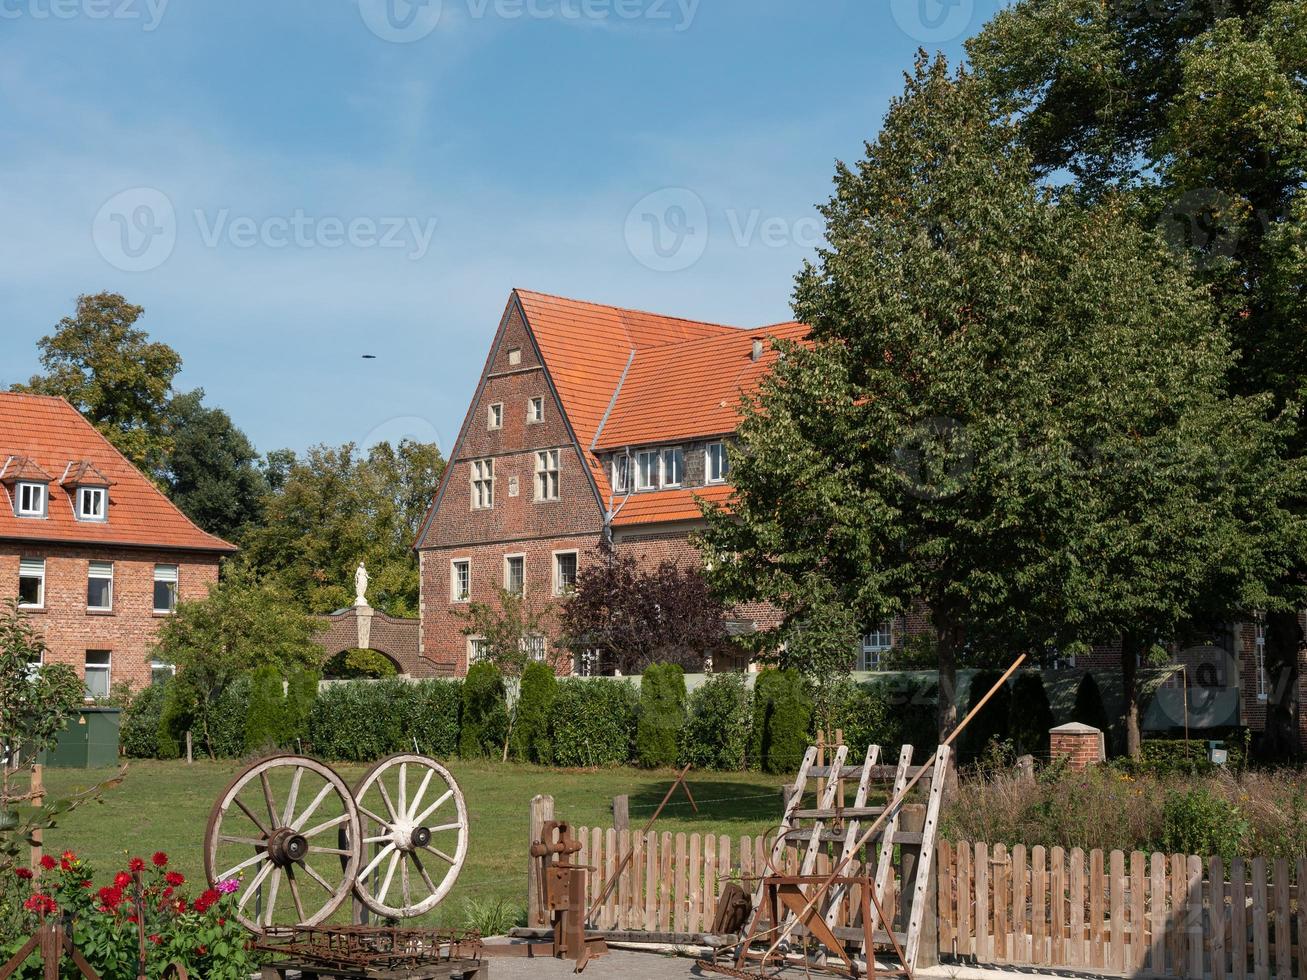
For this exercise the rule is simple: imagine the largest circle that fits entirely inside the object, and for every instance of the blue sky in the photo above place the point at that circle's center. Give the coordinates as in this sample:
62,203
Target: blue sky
286,185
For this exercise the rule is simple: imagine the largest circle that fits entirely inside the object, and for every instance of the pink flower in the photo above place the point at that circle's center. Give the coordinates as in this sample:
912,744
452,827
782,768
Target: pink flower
229,887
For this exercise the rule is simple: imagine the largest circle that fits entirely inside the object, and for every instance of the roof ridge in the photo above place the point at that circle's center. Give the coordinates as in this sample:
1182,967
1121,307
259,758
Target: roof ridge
628,309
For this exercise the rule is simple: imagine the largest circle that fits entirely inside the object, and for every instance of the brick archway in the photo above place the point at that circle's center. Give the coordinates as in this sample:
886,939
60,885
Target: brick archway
364,628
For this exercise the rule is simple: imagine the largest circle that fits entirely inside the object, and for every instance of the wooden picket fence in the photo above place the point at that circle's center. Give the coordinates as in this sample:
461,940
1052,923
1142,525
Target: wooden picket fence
1140,914
673,881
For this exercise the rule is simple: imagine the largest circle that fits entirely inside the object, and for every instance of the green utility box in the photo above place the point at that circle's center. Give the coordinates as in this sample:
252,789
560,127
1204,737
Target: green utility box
90,740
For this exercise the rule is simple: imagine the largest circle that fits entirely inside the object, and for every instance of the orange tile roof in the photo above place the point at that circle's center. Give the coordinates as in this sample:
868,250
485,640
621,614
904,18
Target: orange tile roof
628,377
56,437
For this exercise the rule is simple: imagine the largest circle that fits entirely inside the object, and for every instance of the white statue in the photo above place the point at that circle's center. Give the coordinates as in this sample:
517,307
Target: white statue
361,586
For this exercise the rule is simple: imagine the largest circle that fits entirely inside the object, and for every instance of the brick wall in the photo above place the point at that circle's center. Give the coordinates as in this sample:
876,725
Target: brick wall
1080,743
128,630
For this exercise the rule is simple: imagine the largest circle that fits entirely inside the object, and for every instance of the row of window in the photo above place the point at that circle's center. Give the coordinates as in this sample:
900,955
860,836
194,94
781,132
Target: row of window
535,413
32,500
514,578
548,465
657,469
534,646
98,672
99,586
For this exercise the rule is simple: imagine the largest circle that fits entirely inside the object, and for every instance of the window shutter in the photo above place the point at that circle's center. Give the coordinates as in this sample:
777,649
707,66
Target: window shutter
101,569
31,567
165,573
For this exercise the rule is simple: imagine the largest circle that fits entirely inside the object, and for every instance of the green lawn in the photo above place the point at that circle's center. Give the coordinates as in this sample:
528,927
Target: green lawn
164,806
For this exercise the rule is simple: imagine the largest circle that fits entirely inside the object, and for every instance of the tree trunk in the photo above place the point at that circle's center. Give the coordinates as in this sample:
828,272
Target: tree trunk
1284,639
1131,647
949,640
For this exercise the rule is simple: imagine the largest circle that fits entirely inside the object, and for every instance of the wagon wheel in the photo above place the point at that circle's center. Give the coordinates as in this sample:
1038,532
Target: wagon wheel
414,835
263,830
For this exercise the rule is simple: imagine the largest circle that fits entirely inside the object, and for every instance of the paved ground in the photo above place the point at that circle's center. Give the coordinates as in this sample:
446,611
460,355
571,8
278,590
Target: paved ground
619,964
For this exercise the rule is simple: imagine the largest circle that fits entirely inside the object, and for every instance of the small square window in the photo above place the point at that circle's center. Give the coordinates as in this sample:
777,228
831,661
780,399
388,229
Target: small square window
564,572
476,649
874,644
515,574
92,503
30,499
495,416
97,673
535,410
514,356
165,588
460,580
99,586
31,583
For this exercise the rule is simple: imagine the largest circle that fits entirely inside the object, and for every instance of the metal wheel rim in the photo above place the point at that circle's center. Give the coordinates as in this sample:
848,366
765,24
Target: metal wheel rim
388,851
293,817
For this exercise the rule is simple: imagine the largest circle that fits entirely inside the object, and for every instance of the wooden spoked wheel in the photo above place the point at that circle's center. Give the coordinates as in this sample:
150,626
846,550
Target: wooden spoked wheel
275,828
414,840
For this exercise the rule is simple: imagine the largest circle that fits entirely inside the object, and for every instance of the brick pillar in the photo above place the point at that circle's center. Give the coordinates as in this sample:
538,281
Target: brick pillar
1082,744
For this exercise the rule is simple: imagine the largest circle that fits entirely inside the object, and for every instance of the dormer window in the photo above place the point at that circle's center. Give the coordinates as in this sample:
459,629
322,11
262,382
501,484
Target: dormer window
92,504
30,499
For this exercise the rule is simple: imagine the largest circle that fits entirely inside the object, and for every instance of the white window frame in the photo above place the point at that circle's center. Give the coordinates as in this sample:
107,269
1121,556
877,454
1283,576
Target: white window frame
475,644
40,603
559,588
535,646
622,468
482,474
158,667
107,667
495,416
724,464
454,565
548,477
535,410
653,472
41,493
100,514
507,587
161,575
96,571
874,644
665,479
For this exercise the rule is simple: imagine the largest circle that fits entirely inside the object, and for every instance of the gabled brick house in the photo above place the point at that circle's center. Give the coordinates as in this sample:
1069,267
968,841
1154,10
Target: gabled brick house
94,554
588,422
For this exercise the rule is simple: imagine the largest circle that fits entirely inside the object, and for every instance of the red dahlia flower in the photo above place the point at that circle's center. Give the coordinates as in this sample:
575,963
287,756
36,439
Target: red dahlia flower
160,859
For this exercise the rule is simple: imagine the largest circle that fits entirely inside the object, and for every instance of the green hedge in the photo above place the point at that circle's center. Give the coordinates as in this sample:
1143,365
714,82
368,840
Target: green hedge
139,732
719,719
266,726
592,723
485,713
661,716
367,720
531,741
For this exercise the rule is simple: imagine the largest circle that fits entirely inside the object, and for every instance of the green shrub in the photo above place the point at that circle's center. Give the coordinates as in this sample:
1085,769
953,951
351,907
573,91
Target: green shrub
530,742
226,722
1199,822
913,709
266,715
362,721
352,665
433,716
301,692
862,712
661,717
1030,714
593,723
174,719
782,719
139,732
1089,708
716,732
991,724
485,713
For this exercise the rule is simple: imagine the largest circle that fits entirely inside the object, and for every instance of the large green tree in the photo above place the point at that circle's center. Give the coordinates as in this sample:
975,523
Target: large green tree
335,507
1012,410
1197,111
111,372
213,472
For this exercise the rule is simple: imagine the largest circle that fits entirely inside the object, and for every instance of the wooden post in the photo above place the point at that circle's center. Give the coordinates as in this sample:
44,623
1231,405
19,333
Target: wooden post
190,758
542,809
38,800
621,813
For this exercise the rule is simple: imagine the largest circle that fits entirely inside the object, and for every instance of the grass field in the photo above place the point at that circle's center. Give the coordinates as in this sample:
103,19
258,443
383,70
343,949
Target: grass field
164,806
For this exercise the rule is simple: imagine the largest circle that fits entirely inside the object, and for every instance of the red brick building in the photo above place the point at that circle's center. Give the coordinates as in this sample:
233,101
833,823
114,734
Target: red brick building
588,422
90,549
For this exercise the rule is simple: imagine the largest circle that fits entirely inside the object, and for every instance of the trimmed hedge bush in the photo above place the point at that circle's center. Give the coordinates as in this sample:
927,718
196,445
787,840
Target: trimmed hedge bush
661,717
265,716
717,726
301,692
1031,715
139,732
485,713
992,724
368,720
592,723
782,720
862,712
530,741
227,724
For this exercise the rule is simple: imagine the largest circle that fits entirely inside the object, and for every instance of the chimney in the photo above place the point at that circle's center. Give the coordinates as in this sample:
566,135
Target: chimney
757,349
